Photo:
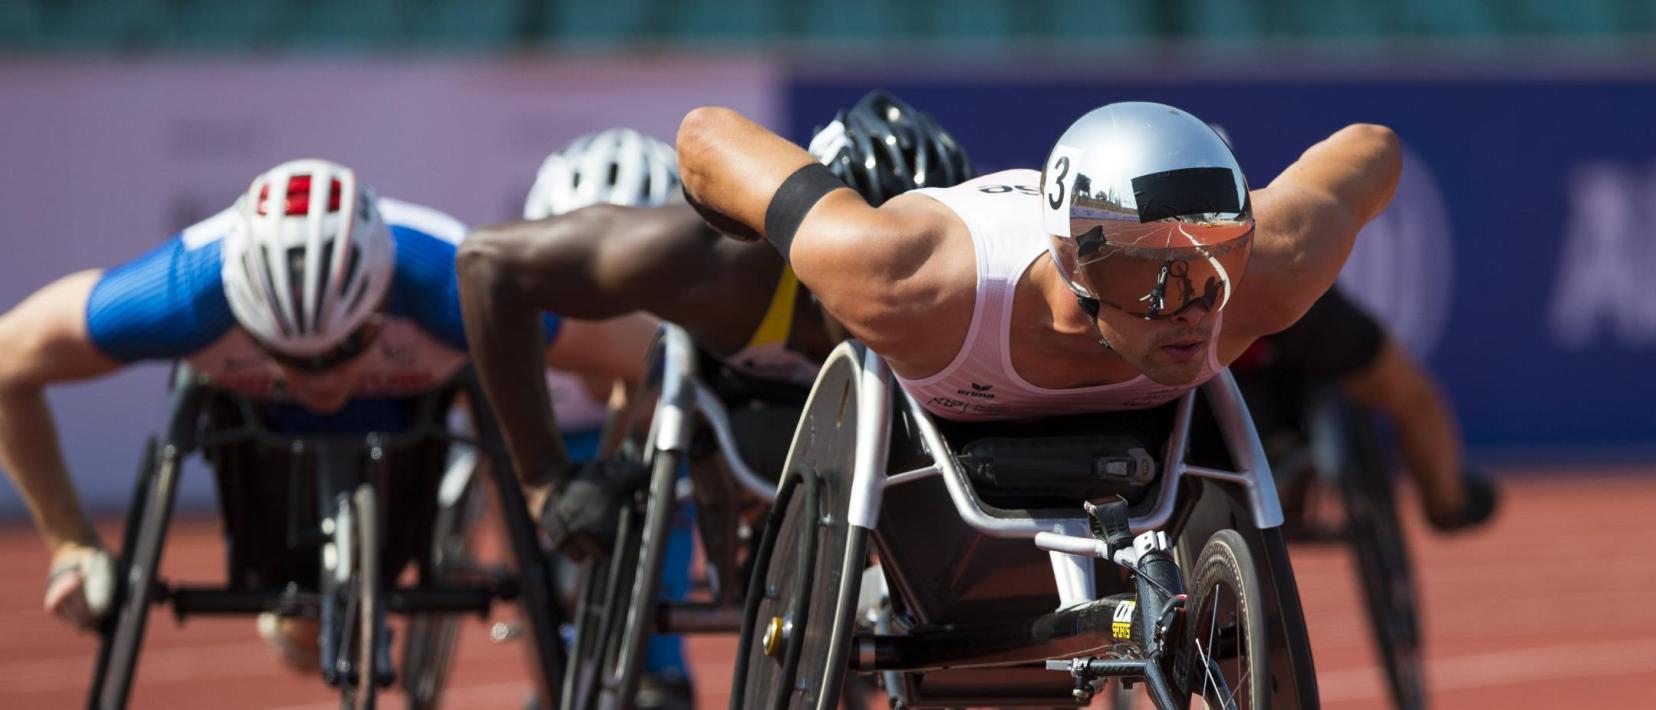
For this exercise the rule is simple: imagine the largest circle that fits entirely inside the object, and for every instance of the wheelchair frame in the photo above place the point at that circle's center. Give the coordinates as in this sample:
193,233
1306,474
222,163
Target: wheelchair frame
685,399
139,587
603,671
1072,629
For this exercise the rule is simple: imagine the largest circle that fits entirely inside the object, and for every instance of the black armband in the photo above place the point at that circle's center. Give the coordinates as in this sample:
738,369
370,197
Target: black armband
793,200
719,221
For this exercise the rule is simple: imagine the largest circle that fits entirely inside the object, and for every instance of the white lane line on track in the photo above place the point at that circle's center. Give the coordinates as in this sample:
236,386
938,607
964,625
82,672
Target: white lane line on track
1550,662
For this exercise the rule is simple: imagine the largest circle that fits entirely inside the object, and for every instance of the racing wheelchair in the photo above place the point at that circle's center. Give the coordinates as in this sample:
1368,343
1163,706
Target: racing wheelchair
728,431
1169,571
1335,482
319,525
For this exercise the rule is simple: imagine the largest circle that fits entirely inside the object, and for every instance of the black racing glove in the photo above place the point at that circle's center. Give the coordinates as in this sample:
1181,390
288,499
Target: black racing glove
584,510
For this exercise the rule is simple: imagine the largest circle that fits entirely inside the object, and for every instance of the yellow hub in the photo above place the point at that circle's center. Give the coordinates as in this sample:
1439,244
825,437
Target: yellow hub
773,636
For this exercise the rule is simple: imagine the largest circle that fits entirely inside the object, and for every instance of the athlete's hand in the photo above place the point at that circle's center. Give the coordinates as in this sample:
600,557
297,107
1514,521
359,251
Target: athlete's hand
1478,505
81,586
584,511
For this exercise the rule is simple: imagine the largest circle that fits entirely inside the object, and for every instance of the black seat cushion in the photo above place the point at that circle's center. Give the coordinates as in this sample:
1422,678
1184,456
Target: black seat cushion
1058,462
763,415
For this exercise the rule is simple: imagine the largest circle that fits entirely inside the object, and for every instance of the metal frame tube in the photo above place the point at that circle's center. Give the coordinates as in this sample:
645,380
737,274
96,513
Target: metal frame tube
1253,472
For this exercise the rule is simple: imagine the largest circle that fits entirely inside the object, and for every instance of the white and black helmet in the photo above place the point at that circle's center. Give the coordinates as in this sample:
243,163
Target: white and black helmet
619,166
308,260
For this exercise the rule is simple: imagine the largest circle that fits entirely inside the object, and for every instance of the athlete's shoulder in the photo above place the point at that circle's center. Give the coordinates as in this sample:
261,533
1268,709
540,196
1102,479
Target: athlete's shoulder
208,231
1007,189
997,202
407,218
425,288
167,303
1019,181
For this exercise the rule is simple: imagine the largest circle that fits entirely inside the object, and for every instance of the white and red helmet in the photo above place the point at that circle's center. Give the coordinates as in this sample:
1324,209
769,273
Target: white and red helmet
308,258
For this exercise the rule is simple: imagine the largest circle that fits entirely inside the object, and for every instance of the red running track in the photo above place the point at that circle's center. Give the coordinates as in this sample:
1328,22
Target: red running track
1548,608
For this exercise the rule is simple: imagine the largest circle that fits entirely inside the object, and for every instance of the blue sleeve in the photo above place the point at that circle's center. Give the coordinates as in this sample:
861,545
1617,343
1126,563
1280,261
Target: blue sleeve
426,288
165,304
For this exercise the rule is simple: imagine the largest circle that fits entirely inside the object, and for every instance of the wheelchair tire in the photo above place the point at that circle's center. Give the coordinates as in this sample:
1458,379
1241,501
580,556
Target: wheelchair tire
615,615
430,639
537,599
361,686
1226,642
428,652
796,621
122,632
1382,559
1292,674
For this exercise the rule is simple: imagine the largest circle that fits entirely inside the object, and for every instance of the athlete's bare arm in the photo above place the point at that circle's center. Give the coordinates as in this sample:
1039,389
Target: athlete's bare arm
901,277
600,268
43,341
1428,434
1308,218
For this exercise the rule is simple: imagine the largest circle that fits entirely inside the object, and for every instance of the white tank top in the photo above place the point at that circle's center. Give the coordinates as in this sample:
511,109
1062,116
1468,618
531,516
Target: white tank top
980,384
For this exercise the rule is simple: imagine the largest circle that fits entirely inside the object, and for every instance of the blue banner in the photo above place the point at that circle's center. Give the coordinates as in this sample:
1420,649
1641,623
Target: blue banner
1517,259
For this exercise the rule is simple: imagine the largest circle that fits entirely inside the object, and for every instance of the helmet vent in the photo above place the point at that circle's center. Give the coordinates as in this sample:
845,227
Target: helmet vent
297,202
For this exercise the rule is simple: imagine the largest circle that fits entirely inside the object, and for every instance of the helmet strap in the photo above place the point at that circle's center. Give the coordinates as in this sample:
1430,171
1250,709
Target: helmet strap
1091,306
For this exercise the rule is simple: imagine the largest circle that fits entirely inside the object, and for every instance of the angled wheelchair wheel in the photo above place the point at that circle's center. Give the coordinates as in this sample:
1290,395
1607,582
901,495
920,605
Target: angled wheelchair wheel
1262,598
807,569
122,632
1382,560
615,615
1225,650
430,638
536,597
365,614
787,653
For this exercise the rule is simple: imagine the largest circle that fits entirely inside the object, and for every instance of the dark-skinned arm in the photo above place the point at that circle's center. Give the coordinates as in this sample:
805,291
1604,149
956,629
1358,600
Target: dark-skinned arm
586,267
1428,434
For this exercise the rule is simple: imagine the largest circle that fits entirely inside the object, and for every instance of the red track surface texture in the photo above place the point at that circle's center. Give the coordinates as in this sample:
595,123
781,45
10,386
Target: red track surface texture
1549,608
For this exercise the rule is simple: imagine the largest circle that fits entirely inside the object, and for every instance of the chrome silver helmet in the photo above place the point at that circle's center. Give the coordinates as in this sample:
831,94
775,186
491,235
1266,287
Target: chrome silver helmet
1147,210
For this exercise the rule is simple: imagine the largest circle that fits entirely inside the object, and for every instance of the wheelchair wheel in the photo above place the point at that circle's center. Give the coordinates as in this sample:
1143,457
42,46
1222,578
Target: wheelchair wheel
1290,679
122,632
536,598
1382,560
793,623
429,641
802,600
360,686
1225,649
615,615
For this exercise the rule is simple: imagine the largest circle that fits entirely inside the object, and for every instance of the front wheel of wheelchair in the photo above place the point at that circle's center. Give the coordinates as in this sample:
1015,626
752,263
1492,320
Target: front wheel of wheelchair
360,685
430,638
1221,513
800,604
122,632
1382,560
615,615
1226,653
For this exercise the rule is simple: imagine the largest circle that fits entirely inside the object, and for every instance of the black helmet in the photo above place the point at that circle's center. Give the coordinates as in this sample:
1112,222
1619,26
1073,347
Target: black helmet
883,147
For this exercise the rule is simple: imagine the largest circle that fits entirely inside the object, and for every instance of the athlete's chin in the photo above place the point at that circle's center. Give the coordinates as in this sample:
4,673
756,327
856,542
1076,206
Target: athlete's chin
1166,372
